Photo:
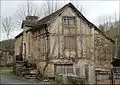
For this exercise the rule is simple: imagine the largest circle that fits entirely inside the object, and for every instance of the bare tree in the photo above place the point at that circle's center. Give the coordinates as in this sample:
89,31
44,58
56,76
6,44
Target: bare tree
7,25
50,7
78,6
117,40
28,9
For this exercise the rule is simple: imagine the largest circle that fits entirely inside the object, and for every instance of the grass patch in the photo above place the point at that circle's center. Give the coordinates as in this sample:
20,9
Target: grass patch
8,74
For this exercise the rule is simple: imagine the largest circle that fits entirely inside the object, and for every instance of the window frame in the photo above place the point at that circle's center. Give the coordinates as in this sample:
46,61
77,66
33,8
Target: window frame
64,68
68,18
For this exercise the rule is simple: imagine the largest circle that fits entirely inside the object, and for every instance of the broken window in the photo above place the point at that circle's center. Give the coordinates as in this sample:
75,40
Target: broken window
69,21
70,42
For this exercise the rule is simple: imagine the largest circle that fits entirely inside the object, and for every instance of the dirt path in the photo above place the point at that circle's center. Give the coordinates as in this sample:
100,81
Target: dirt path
7,77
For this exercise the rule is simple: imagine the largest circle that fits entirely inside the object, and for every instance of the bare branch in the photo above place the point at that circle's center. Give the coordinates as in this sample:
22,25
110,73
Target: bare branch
50,7
7,25
28,9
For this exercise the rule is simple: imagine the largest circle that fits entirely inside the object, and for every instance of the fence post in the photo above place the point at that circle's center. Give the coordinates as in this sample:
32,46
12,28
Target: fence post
112,76
96,78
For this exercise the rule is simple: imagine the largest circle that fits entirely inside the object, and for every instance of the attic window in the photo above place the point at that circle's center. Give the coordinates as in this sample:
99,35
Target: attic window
68,20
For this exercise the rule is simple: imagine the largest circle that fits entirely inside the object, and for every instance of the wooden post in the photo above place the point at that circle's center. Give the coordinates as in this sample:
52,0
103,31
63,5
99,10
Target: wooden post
58,40
95,78
112,76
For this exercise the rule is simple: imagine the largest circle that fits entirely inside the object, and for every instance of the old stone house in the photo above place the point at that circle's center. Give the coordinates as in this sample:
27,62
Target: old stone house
64,42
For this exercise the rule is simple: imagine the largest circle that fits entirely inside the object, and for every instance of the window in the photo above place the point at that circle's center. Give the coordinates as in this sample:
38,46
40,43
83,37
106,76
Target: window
60,70
69,21
69,69
64,69
70,42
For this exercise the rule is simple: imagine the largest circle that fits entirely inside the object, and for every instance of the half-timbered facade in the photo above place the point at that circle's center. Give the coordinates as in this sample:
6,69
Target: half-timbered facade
61,43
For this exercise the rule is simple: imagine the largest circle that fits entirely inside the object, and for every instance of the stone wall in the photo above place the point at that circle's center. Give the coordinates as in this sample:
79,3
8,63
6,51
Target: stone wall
6,57
103,51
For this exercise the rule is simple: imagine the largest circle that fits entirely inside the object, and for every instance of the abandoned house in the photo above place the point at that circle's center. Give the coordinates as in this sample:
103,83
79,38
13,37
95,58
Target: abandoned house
64,42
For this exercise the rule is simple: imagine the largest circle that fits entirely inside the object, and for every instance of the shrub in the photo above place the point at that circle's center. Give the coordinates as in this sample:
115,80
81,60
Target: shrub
76,80
9,65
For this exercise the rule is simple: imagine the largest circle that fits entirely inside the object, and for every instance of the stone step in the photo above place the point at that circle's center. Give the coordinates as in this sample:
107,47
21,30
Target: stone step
30,76
20,61
27,72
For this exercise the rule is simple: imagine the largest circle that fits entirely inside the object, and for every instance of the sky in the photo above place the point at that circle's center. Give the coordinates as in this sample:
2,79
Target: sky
92,10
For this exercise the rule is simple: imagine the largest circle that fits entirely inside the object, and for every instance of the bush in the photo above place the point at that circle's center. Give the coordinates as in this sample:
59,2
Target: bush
1,65
59,79
76,80
9,65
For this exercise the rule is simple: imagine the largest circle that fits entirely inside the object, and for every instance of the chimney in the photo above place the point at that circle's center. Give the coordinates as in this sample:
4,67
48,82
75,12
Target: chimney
30,21
32,18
